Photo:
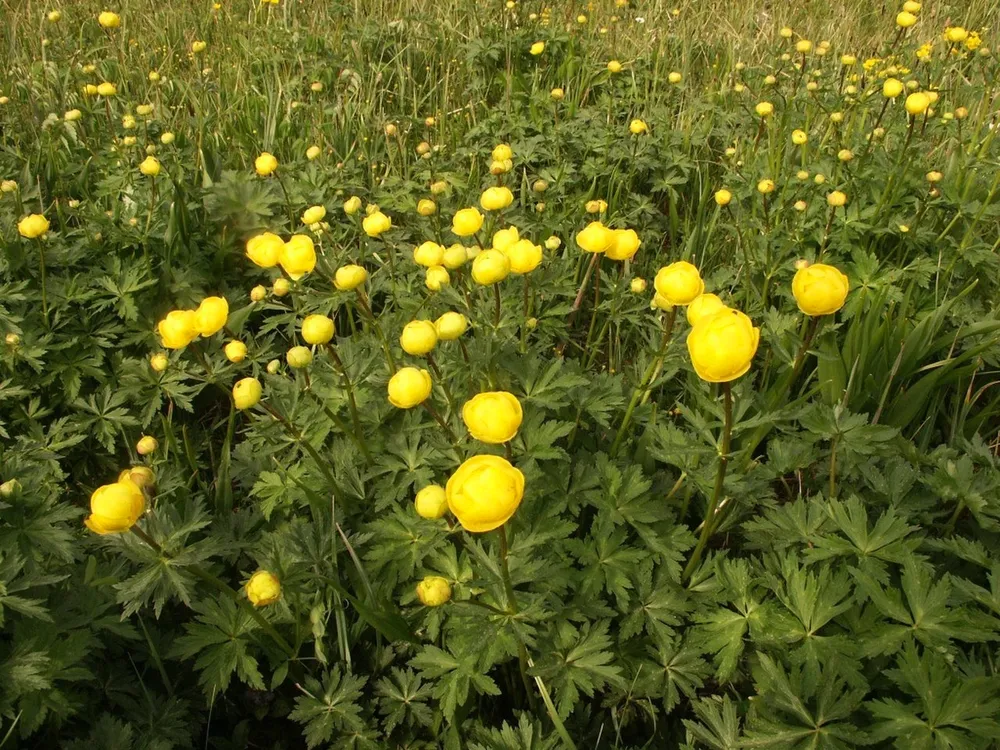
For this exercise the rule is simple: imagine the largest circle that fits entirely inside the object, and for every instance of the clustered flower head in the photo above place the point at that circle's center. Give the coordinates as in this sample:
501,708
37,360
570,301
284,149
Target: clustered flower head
180,327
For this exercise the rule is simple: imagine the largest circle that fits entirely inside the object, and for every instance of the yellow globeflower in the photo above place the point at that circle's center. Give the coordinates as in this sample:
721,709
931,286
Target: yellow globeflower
799,137
722,346
431,502
723,197
625,244
211,315
178,329
637,286
493,417
905,20
505,238
159,362
109,20
236,351
33,226
313,152
246,393
557,94
956,34
765,186
496,198
614,66
490,267
418,337
892,87
409,387
298,256
803,46
911,6
107,89
502,152
265,164
54,16
150,166
299,357
524,256
376,223
433,591
436,277
764,109
702,306
426,207
281,287
836,199
455,256
595,238
451,325
264,249
349,277
638,127
679,283
263,588
428,254
198,46
537,48
259,292
146,445
141,476
467,222
352,205
317,329
917,103
115,507
674,77
484,493
313,215
820,289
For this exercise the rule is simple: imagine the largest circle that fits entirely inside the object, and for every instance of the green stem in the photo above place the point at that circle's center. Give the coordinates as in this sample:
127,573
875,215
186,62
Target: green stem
363,301
355,417
41,267
444,425
299,438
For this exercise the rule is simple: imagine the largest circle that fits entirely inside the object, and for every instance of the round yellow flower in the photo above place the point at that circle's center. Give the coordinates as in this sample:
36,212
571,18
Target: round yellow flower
198,46
246,393
505,238
836,199
376,223
956,34
820,289
264,249
349,277
178,329
72,115
765,186
722,346
298,256
281,287
638,127
917,103
702,306
467,222
911,6
298,357
258,293
54,16
524,256
433,591
109,20
147,444
679,283
33,226
150,166
496,198
934,176
428,254
141,476
263,588
490,267
409,387
236,351
892,87
313,215
493,417
418,337
557,94
637,286
764,109
436,277
786,32
537,48
211,315
426,207
848,60
451,325
905,19
313,152
624,245
317,329
116,507
799,137
159,362
455,256
431,502
595,238
484,493
502,152
352,205
723,197
265,164
553,243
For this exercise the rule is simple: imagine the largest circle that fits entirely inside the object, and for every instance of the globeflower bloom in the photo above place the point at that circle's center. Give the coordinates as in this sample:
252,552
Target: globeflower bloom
264,249
625,244
892,87
409,387
451,325
428,254
524,256
426,207
265,164
484,492
106,89
436,277
917,103
722,346
236,351
820,289
246,393
317,329
298,256
493,417
702,306
431,502
313,215
349,277
505,238
723,197
263,588
490,267
114,508
496,198
467,222
211,315
905,19
595,238
433,591
33,226
375,224
150,166
109,20
352,205
638,127
419,337
679,283
178,329
836,199
764,109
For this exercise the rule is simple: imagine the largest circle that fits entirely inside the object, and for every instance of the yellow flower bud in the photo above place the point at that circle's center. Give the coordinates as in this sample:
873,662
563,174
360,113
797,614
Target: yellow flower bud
723,197
159,362
109,20
702,306
409,387
246,393
848,60
167,138
800,206
679,283
258,293
455,256
553,243
933,177
557,94
674,77
299,357
33,226
313,214
892,87
141,476
313,152
638,127
317,329
352,205
431,502
490,267
524,256
433,591
911,6
265,164
484,492
638,286
845,154
236,351
624,244
198,46
803,46
502,152
281,287
298,256
178,329
428,254
493,417
426,207
264,249
54,16
785,32
765,186
451,325
437,188
436,277
820,289
146,445
917,103
114,508
799,137
349,277
211,315
375,224
595,238
150,166
263,588
467,222
614,66
836,199
537,48
905,20
722,346
764,109
418,337
496,198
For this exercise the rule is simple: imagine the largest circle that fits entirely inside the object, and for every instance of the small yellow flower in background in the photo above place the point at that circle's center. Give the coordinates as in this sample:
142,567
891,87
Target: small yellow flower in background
704,305
557,94
349,277
107,89
493,417
917,103
144,109
313,215
836,199
167,138
451,325
263,588
298,256
581,18
89,90
281,287
246,393
820,289
799,137
153,76
236,351
159,362
109,20
466,222
72,115
553,243
595,238
956,34
211,315
264,249
150,166
614,66
490,267
54,16
496,198
848,60
147,444
524,256
178,329
765,186
501,166
273,366
265,164
33,225
258,293
436,277
764,109
317,329
924,51
484,492
352,205
434,591
128,122
438,187
298,357
409,387
312,152
785,32
637,286
974,42
722,346
638,127
198,46
932,96
803,46
455,256
426,207
723,197
679,283
537,48
674,77
596,206
904,228
502,152
845,154
431,502
316,86
114,508
428,254
905,20
934,176
911,6
819,179
892,88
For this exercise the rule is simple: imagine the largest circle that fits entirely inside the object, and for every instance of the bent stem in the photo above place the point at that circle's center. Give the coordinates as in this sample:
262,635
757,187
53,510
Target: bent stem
299,438
438,377
41,267
647,378
444,425
708,525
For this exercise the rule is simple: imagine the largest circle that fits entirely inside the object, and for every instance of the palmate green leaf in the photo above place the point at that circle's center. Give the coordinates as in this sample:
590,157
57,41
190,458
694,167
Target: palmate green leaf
403,699
527,735
718,725
329,706
105,417
549,388
672,672
454,675
607,562
400,543
539,436
797,524
579,662
659,605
